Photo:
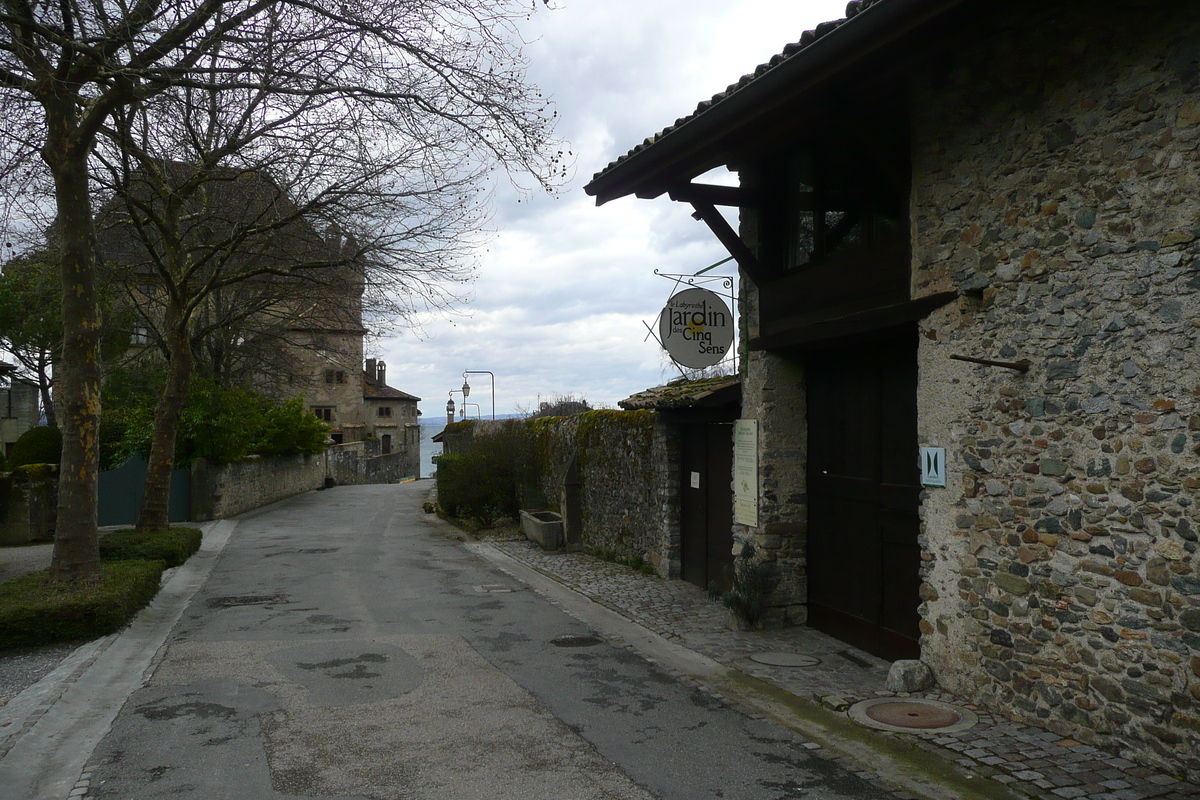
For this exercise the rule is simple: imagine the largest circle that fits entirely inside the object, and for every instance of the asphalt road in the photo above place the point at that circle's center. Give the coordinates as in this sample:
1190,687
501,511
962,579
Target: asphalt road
344,646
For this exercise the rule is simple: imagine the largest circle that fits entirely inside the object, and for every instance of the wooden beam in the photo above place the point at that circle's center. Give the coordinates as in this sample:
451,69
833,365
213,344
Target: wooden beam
708,213
817,332
713,195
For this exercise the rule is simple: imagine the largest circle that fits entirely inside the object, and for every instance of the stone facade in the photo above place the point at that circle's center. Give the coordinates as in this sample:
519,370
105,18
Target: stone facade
773,393
18,410
1056,183
1049,156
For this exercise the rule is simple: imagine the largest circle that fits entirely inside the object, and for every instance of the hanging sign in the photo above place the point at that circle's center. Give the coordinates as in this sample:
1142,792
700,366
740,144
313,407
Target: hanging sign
696,328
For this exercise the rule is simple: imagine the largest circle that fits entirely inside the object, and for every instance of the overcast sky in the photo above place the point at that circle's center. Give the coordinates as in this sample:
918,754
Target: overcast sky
564,287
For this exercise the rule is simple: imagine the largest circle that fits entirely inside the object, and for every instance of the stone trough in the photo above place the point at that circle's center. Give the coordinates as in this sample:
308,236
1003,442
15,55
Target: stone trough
543,527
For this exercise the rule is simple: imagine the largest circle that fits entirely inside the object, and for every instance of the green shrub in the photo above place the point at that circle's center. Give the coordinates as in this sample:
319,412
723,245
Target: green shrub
220,423
3,462
40,445
33,613
289,429
172,546
476,486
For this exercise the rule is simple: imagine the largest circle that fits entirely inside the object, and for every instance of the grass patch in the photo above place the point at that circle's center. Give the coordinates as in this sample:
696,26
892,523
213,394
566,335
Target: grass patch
172,546
33,613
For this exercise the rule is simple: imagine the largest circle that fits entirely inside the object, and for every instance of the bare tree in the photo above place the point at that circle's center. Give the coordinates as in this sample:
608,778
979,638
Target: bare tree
70,70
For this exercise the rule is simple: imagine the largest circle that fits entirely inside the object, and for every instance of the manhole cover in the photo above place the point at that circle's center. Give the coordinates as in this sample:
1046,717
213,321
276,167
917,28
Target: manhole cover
785,659
576,640
908,715
493,588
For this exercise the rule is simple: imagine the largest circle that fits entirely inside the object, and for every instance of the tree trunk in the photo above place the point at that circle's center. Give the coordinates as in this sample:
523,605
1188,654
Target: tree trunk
76,548
156,496
44,388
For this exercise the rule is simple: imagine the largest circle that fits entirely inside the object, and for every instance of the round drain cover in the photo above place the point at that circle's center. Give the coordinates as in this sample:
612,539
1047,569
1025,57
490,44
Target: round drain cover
913,715
904,715
576,640
785,659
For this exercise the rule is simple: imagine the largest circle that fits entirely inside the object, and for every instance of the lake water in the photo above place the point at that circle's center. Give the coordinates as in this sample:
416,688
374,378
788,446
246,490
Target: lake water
429,448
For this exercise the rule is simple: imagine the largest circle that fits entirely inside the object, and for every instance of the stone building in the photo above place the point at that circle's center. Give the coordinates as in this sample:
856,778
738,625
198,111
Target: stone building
282,311
390,414
974,226
18,407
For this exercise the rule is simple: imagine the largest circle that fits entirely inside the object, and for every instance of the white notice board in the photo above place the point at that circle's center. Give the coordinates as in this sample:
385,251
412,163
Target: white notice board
745,472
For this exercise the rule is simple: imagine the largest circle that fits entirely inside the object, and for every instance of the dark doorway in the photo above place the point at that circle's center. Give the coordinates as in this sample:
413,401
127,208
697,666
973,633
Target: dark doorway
706,503
863,487
385,444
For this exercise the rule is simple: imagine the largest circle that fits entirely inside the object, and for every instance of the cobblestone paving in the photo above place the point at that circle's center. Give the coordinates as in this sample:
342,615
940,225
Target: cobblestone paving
1032,761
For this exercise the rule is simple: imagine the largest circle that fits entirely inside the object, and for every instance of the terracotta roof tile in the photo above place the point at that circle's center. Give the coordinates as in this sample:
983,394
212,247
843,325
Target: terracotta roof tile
853,9
374,390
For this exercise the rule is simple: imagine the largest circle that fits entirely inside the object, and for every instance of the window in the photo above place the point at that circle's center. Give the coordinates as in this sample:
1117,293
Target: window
385,411
334,376
324,413
837,204
140,335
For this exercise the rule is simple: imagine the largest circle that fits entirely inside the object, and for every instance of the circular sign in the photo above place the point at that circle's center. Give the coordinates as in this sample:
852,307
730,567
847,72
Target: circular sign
696,328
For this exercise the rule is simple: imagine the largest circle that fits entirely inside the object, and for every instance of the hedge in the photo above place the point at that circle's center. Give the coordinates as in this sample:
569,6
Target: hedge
172,546
33,613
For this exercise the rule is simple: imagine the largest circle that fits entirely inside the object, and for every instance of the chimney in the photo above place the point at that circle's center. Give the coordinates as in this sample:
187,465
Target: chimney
370,370
381,375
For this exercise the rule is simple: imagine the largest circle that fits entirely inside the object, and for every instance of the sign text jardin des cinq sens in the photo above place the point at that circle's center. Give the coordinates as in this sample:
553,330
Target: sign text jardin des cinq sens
696,328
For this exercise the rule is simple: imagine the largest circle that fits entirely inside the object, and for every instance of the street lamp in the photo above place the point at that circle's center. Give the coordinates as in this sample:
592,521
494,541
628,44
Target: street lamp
466,389
462,412
465,404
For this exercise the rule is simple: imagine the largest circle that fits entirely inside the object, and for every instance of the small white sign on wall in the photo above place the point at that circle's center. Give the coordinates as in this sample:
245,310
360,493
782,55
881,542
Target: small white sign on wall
933,466
695,480
745,472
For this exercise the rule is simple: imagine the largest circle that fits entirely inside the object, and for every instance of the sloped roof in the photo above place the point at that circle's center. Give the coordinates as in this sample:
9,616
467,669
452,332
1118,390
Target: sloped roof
374,390
707,392
831,47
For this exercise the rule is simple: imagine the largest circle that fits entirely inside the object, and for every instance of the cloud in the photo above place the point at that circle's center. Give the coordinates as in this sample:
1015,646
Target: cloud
564,287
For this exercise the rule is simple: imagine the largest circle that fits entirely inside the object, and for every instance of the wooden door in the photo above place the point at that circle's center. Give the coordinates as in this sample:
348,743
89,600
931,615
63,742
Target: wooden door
863,487
706,504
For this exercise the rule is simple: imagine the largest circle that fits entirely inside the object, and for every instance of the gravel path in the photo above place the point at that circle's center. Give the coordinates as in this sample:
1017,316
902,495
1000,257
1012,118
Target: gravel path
16,561
23,667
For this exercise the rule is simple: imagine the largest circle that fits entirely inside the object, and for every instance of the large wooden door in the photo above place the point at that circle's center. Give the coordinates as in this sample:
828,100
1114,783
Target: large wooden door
863,487
706,504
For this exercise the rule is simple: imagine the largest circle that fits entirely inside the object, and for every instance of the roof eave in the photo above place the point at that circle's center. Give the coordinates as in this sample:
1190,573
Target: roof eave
687,151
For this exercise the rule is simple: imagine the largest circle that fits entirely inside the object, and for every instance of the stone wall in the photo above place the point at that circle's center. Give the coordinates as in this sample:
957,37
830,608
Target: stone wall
626,467
359,463
28,504
231,489
1056,182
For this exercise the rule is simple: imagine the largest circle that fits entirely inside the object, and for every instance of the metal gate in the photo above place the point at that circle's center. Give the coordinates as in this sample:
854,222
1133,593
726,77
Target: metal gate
120,494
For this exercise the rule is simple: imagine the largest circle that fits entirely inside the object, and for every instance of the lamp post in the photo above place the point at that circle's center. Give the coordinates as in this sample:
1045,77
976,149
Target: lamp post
465,404
466,389
462,412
